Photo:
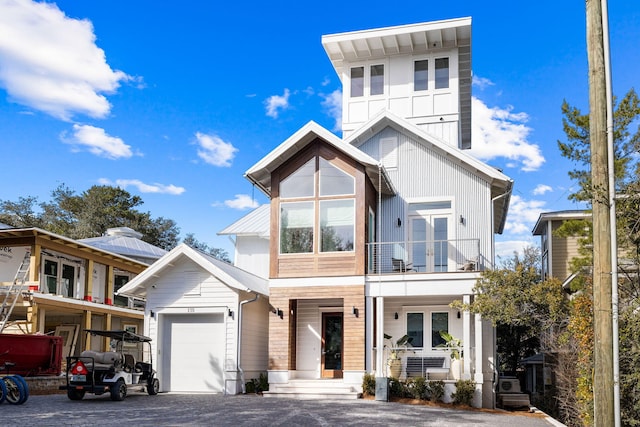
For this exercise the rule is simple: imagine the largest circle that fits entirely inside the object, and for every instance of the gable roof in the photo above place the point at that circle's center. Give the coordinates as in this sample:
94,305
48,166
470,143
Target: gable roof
255,223
501,185
567,215
228,274
260,173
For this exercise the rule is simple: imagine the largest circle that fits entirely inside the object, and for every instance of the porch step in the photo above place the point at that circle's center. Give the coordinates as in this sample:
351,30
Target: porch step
312,389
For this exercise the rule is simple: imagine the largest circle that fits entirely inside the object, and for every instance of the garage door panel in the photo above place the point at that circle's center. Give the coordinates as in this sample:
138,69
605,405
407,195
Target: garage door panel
195,345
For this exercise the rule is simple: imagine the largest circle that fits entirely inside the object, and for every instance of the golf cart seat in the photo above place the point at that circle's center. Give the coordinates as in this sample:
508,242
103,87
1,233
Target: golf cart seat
102,359
129,363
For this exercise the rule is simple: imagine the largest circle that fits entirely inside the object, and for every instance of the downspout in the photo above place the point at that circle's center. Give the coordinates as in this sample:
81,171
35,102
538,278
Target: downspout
239,352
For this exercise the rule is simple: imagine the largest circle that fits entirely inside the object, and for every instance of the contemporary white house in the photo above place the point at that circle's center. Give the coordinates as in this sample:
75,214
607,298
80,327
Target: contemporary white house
376,232
207,320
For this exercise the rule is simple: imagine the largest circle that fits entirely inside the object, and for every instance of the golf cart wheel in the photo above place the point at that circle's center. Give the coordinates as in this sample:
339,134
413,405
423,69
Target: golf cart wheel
119,390
153,387
15,390
74,394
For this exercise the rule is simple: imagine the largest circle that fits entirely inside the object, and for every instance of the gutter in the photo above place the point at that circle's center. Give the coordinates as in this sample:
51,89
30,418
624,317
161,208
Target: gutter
239,344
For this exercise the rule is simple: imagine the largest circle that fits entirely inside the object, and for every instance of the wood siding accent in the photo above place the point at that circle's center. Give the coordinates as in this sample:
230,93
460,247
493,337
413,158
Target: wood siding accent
316,263
563,250
282,332
255,336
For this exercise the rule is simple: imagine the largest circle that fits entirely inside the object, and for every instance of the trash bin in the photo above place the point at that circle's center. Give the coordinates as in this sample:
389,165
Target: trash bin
382,389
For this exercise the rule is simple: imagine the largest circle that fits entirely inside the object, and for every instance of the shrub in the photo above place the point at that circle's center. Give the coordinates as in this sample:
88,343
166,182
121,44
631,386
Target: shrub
250,386
464,392
263,382
396,388
436,390
417,388
369,385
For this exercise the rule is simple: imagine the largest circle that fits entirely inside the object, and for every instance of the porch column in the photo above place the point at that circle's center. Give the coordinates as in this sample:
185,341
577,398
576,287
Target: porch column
466,339
108,293
86,321
380,371
107,326
88,281
479,377
368,331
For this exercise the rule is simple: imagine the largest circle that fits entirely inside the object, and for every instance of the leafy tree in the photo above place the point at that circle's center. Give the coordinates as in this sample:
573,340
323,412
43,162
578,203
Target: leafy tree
90,214
520,304
217,253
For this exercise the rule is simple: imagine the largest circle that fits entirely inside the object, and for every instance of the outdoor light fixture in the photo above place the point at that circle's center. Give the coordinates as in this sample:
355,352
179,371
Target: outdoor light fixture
354,310
152,314
395,316
399,222
458,315
230,313
280,313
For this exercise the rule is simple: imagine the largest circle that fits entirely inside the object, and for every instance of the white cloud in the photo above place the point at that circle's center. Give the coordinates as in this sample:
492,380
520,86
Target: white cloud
242,202
502,133
506,249
333,104
481,82
274,104
214,150
50,62
96,141
145,188
523,215
541,189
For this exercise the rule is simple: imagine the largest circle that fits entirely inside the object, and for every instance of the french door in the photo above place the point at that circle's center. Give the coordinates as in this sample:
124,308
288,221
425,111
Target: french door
429,236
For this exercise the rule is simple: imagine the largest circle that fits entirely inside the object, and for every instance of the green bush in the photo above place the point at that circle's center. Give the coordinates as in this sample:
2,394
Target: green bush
263,382
435,390
369,384
464,392
250,386
396,388
416,388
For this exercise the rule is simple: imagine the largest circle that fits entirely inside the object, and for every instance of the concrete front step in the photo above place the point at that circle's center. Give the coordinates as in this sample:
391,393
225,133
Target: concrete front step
312,389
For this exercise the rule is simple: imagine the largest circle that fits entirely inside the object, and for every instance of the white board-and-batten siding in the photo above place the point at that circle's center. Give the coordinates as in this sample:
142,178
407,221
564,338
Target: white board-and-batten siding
186,289
422,173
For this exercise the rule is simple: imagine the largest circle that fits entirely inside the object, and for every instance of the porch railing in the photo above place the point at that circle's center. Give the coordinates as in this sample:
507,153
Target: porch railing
424,256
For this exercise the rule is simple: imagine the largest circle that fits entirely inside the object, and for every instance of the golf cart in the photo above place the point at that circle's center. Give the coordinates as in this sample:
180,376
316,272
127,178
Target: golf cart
114,371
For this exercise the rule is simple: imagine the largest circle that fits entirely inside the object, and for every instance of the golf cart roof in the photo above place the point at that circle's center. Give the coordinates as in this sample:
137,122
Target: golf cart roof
120,335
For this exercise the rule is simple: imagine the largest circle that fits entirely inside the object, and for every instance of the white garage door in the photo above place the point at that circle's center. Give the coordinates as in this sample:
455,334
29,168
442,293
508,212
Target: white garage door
195,346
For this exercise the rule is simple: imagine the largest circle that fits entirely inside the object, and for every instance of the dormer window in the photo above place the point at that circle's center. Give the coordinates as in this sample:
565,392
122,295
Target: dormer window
421,75
332,195
377,79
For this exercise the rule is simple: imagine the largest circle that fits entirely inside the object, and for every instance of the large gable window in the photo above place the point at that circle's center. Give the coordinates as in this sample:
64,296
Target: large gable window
332,194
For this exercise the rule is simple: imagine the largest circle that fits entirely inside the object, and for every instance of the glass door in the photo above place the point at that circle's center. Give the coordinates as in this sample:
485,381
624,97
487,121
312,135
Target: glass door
429,235
331,361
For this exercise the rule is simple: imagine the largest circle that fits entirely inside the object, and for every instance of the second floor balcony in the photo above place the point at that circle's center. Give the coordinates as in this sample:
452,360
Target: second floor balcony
437,256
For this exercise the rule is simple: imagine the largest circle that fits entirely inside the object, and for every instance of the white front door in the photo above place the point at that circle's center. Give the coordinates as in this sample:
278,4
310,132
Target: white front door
193,352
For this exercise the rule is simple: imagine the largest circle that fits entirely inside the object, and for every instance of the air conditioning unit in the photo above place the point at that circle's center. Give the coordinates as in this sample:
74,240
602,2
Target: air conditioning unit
509,385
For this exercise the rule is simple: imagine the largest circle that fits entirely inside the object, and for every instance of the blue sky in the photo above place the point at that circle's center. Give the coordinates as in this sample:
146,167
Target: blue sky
175,101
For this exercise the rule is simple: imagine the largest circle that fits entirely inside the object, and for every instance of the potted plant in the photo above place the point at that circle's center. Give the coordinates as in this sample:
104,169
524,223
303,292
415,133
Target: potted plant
454,345
395,354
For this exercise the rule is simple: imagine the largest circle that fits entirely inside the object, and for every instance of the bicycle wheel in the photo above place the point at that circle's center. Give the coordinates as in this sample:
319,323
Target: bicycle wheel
25,386
15,390
3,391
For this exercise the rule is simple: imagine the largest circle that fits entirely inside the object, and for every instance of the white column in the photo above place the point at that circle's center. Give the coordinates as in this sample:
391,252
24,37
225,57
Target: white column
466,339
368,337
380,371
479,377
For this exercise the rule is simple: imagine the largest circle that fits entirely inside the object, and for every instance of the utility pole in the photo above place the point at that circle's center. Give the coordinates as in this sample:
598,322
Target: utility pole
602,265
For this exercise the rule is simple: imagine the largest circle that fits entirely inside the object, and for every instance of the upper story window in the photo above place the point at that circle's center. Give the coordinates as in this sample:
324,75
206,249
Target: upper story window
377,79
332,194
357,82
442,73
421,75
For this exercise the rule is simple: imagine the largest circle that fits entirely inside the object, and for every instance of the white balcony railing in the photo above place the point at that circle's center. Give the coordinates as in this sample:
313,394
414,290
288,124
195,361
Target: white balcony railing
424,256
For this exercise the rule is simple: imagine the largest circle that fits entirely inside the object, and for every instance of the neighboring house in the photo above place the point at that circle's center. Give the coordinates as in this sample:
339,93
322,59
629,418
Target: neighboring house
557,252
126,241
378,232
69,286
208,321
